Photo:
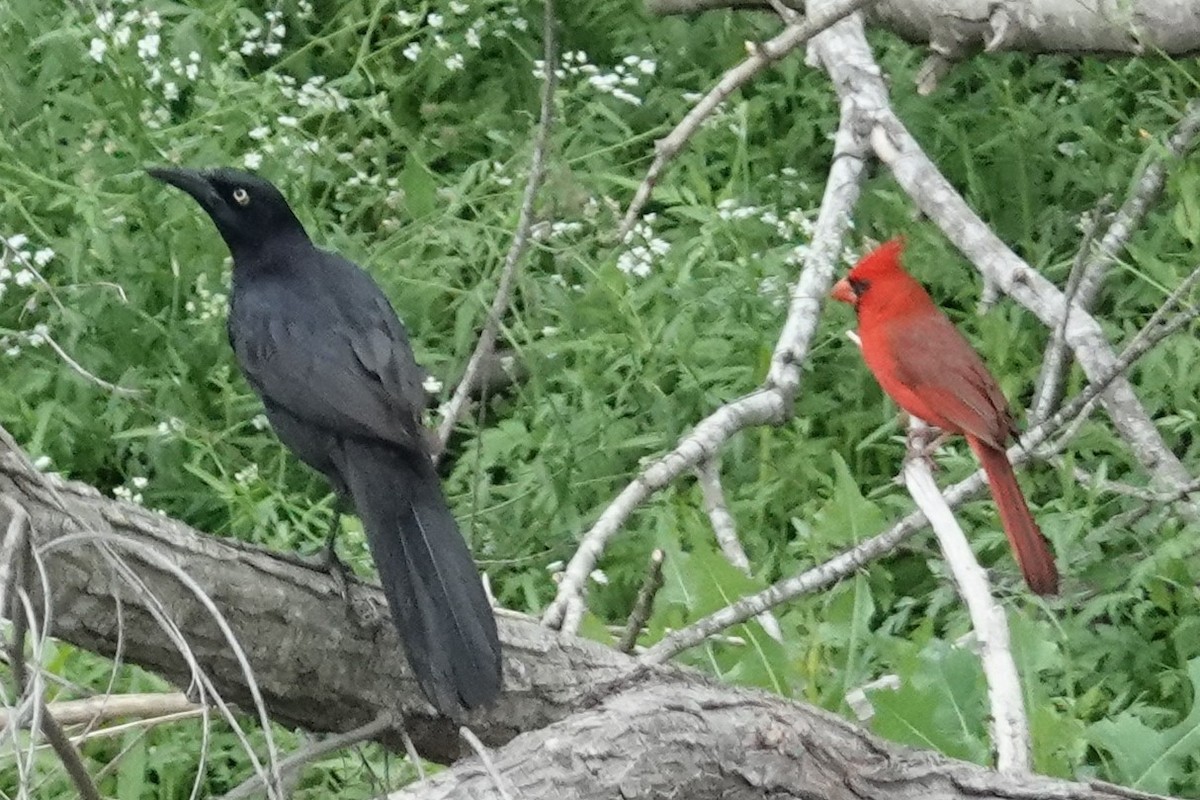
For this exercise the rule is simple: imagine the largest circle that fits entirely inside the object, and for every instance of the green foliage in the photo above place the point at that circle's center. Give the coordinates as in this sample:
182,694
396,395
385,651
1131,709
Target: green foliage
404,145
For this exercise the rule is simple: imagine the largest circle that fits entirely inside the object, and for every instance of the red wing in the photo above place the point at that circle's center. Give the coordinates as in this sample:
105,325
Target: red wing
941,369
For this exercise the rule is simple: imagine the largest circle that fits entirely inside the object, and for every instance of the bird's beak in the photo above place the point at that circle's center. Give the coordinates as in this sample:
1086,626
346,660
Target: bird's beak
843,293
189,180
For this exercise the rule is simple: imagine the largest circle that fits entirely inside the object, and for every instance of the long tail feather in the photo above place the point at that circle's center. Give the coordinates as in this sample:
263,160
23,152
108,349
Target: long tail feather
432,585
1033,554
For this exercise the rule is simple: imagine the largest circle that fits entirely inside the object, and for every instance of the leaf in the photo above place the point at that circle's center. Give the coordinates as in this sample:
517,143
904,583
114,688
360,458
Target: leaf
420,190
1147,759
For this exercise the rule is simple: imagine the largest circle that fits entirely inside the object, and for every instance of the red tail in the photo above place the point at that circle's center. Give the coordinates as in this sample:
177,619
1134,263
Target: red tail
1033,554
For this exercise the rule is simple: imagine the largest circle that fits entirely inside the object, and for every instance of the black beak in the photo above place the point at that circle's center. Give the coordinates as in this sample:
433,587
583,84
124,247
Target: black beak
189,180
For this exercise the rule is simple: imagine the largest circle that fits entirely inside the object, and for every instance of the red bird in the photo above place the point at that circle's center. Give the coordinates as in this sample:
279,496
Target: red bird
925,365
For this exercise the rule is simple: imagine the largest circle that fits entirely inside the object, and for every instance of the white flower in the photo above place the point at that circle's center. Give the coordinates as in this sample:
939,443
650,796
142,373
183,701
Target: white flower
104,20
473,39
259,422
287,121
521,24
17,241
97,49
412,52
42,257
139,482
459,7
259,133
435,20
122,35
24,278
454,62
599,577
252,160
148,46
647,66
431,384
272,49
248,47
621,94
170,90
407,18
191,71
13,351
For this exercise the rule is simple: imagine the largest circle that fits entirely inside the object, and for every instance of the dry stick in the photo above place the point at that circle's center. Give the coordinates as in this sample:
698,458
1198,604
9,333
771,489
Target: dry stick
1047,388
292,765
107,707
761,56
53,731
537,171
848,562
1098,261
644,605
771,403
486,759
1010,726
708,475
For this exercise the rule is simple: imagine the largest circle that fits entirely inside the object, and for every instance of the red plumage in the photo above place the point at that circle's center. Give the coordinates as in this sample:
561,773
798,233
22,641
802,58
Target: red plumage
925,365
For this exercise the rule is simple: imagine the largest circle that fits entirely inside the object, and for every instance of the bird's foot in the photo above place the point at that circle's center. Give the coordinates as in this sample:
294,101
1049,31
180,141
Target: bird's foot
922,442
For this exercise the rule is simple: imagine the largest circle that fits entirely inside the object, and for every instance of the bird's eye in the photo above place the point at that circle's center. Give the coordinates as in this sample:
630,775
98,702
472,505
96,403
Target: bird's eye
241,196
859,286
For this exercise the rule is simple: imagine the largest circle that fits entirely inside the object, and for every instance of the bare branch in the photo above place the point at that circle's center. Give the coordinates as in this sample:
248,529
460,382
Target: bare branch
761,56
78,369
1010,726
290,767
708,475
771,403
644,604
103,708
486,759
504,287
1047,389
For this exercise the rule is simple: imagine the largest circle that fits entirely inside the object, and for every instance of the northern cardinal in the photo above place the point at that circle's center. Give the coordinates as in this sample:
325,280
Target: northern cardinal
929,369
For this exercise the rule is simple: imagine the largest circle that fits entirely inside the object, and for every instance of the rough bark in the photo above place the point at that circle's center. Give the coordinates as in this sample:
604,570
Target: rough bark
577,720
958,28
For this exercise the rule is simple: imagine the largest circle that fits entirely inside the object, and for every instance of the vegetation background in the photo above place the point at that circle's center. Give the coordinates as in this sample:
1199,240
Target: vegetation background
401,133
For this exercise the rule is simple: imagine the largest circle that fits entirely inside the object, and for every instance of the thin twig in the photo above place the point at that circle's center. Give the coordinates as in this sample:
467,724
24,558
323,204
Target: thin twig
1010,726
1047,389
486,759
78,368
708,475
761,56
66,752
771,403
411,750
103,708
537,171
292,765
644,604
848,562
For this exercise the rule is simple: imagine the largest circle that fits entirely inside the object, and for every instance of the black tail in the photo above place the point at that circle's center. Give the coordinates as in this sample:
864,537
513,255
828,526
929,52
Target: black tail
432,586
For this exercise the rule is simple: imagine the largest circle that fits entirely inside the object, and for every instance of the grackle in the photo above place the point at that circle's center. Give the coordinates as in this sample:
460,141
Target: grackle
320,344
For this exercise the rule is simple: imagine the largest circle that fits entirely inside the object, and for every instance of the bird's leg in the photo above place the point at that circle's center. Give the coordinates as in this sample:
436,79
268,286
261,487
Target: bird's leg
329,560
923,440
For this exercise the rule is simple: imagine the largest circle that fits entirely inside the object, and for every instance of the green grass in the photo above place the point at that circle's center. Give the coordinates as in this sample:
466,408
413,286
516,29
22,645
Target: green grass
414,167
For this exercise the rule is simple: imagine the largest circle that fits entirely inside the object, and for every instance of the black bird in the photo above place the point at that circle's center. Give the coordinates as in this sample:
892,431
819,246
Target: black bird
320,344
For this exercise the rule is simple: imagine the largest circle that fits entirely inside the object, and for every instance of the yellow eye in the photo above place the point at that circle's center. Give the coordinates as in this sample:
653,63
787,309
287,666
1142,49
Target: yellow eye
241,196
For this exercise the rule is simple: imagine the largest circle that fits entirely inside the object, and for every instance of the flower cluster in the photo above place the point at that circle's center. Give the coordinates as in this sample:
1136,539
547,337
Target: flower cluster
448,35
621,81
644,248
20,263
133,492
208,304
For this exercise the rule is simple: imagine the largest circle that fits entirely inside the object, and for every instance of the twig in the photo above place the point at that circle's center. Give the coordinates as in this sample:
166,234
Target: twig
42,720
708,475
644,604
292,765
1010,726
410,750
1132,213
537,171
78,368
103,708
11,550
1047,390
848,562
761,56
770,403
480,750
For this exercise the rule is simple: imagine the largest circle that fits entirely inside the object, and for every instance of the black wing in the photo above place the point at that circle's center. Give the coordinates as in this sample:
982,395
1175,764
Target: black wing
332,353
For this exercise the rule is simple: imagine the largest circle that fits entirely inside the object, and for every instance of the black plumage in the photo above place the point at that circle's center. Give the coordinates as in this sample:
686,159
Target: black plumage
321,345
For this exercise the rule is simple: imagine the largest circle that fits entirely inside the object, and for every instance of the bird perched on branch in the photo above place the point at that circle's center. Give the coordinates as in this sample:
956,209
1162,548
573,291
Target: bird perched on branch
320,344
925,365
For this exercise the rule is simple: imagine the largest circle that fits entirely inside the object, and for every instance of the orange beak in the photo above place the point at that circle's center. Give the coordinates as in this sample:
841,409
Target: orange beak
843,293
